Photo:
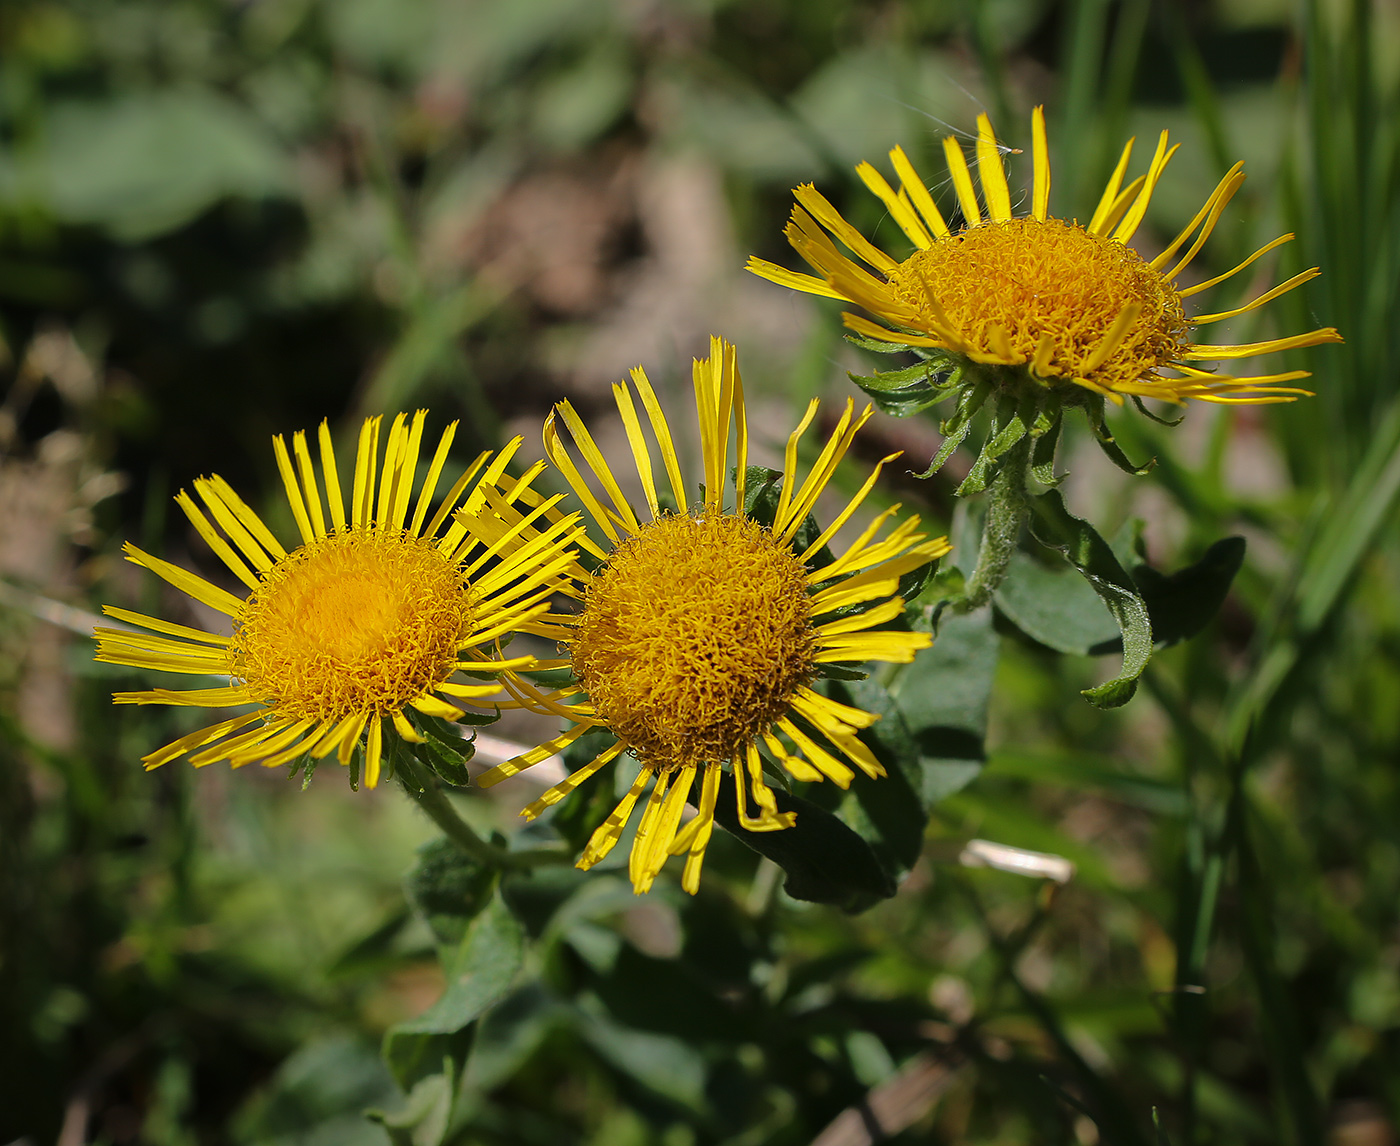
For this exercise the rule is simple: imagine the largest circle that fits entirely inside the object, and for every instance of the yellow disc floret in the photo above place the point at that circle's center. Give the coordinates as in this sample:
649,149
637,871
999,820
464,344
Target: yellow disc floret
356,622
694,637
1006,286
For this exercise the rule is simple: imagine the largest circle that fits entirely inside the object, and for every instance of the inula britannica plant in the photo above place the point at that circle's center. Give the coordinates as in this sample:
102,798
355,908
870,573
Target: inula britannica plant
364,627
709,621
1020,317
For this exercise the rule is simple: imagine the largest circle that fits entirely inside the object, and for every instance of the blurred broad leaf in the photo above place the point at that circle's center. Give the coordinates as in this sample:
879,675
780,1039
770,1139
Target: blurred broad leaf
1064,613
510,1033
1055,607
942,697
449,889
146,163
671,1067
479,974
930,738
578,104
825,861
1054,526
1181,604
317,1098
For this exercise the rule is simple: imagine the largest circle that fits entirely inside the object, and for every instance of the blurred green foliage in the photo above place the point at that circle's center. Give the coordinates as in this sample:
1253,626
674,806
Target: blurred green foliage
220,221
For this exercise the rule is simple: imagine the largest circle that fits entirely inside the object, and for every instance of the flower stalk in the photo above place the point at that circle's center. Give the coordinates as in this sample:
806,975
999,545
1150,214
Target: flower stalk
423,786
1001,531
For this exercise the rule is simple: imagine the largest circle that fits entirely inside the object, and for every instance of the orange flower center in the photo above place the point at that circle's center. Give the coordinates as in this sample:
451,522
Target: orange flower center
694,637
1005,287
358,622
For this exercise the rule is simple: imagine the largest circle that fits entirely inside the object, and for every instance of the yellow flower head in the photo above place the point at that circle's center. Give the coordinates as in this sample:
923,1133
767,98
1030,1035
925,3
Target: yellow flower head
1067,304
703,629
374,612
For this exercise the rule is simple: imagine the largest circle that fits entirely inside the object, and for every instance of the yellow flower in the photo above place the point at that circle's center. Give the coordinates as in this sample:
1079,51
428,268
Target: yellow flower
704,629
374,612
1062,302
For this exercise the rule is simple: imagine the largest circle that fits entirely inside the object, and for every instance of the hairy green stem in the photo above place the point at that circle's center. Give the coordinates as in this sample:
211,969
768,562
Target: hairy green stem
422,785
1006,514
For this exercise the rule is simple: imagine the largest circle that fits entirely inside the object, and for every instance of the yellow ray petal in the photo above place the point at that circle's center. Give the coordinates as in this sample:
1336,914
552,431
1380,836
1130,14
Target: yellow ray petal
366,453
425,495
289,483
830,218
221,548
1040,153
374,752
177,748
406,731
1224,189
790,459
822,760
1187,292
187,582
1268,296
641,455
307,474
518,764
1200,352
991,173
1113,339
607,833
962,181
224,493
910,182
454,495
900,211
571,781
1098,222
1128,227
1216,205
331,475
257,554
159,626
797,767
559,458
794,280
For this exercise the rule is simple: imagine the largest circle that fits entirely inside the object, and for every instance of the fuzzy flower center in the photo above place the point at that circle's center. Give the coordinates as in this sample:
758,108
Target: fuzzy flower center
1005,285
694,637
358,622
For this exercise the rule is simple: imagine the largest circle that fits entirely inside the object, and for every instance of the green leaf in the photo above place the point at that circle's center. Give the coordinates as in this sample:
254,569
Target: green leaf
825,861
1008,427
1043,452
317,1097
449,889
954,439
376,950
929,738
1181,604
444,751
1056,607
1110,446
669,1066
956,428
147,162
879,345
839,672
942,697
509,1033
1054,526
479,974
427,1112
902,393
